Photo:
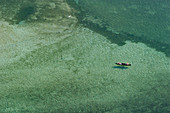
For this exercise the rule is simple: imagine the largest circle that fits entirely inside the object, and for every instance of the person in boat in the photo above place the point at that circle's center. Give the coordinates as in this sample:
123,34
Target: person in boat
123,64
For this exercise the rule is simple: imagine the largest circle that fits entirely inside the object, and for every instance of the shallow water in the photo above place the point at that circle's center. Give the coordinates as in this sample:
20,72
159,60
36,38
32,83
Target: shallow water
59,56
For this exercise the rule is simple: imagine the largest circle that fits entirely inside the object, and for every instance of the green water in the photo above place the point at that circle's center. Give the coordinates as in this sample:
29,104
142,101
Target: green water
139,21
59,57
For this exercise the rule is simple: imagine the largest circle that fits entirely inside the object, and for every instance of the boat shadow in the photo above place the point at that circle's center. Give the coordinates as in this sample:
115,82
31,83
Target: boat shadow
120,67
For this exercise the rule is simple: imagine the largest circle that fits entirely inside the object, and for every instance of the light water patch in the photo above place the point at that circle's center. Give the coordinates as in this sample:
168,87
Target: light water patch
86,76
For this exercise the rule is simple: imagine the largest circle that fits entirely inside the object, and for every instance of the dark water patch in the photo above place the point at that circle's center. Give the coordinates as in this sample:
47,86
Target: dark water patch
14,11
24,13
118,38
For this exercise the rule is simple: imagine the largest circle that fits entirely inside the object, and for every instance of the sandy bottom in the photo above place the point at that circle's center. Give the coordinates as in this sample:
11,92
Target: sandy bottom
78,74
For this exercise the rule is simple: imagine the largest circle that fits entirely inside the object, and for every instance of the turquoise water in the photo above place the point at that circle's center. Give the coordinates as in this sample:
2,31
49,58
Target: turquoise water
139,21
59,56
